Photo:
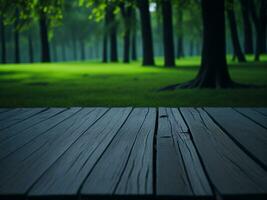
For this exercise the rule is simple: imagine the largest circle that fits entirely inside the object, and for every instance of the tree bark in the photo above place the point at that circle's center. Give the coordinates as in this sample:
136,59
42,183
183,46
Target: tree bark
169,58
16,39
180,39
113,35
263,25
45,50
3,41
213,72
148,53
30,46
248,35
233,28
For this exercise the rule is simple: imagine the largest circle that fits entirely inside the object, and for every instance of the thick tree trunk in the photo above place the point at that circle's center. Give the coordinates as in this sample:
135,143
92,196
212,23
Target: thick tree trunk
180,37
148,53
3,41
248,36
113,35
16,39
233,28
213,72
30,46
133,42
45,51
127,18
169,58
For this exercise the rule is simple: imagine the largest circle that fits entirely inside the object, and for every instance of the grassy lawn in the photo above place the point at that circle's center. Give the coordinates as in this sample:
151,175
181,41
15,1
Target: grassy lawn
96,84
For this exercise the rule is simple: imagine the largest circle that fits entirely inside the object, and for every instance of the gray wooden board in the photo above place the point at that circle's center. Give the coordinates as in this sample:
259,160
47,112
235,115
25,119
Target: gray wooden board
20,170
261,110
13,139
11,113
254,115
126,165
230,169
249,135
183,175
2,110
80,158
20,117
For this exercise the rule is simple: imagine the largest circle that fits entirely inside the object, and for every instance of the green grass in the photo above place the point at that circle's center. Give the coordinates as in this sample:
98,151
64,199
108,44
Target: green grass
97,84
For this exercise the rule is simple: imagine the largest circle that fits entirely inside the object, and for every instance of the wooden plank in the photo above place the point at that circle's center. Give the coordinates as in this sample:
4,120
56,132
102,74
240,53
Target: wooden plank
125,168
247,134
13,139
80,158
183,175
19,117
2,110
254,116
21,170
11,113
261,110
230,169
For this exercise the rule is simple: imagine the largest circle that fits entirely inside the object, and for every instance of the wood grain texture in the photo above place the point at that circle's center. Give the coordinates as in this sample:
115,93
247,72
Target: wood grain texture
80,158
21,170
2,110
246,133
261,110
255,116
183,175
20,117
230,170
18,136
126,166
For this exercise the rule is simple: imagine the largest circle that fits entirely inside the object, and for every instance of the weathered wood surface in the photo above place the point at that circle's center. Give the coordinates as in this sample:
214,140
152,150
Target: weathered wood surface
85,153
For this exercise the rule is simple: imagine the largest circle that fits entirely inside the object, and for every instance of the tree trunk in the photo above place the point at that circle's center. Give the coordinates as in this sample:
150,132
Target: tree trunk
74,47
30,45
191,50
233,28
127,19
63,51
180,39
113,35
248,38
169,58
133,42
82,46
16,39
213,72
259,29
263,25
148,54
45,51
105,38
3,41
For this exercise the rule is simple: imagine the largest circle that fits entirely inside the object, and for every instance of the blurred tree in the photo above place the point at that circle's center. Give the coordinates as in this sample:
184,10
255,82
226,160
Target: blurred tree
233,28
3,40
247,28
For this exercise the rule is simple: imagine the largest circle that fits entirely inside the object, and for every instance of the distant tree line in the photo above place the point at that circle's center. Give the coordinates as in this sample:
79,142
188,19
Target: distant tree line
162,23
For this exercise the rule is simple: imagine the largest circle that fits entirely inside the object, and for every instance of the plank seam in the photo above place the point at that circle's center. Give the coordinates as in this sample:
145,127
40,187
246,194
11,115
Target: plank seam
27,192
79,195
154,155
13,124
214,190
249,118
237,142
40,134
